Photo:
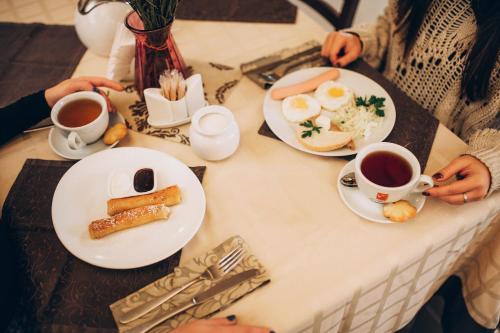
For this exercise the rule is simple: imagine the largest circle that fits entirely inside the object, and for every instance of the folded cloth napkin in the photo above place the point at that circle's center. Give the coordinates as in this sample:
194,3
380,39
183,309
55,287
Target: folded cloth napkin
267,70
183,274
58,292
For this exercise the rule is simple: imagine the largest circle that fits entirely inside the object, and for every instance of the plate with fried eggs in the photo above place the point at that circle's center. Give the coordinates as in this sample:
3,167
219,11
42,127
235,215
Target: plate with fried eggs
307,121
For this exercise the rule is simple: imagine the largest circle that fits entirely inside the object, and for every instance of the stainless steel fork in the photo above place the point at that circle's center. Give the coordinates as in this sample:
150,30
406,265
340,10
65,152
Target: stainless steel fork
213,272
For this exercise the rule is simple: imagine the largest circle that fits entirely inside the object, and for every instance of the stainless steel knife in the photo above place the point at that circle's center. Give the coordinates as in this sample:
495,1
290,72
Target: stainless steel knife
198,299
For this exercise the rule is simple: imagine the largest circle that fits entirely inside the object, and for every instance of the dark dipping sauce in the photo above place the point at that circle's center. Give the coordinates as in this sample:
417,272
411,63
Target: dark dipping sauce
386,169
144,180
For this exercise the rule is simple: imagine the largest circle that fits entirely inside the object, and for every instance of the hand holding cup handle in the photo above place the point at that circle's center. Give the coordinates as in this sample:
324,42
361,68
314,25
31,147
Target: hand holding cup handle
82,135
424,183
382,194
75,142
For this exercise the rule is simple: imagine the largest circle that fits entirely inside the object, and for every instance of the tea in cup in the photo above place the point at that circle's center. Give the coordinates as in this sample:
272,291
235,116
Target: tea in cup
83,116
387,172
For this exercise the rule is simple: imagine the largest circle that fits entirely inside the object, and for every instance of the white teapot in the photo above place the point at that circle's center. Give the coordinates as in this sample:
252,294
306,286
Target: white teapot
96,22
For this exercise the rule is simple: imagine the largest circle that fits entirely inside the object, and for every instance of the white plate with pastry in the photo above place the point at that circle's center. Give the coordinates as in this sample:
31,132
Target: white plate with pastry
359,204
138,231
356,110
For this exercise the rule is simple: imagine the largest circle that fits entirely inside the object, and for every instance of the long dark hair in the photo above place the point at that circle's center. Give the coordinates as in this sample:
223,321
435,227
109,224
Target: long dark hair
482,56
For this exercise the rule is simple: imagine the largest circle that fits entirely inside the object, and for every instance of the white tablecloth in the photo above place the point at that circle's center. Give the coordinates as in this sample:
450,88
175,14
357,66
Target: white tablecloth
331,270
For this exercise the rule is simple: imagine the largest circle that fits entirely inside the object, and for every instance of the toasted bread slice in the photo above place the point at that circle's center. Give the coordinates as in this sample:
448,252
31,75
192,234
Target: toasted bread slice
325,140
351,145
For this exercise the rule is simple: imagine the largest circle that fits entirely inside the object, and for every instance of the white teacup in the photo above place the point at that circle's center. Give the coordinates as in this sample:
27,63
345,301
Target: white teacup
79,137
383,194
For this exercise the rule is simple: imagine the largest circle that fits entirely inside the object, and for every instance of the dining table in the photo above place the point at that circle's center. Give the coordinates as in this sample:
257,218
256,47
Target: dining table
330,270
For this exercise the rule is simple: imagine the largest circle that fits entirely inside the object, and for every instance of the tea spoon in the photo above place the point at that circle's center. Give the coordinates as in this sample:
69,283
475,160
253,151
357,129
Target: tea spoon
349,180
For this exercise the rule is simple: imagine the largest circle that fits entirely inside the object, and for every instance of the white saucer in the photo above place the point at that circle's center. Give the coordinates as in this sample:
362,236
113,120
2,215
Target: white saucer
366,208
59,143
162,124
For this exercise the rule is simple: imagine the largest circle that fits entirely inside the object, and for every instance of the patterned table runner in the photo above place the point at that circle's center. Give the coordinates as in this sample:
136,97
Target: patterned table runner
218,80
59,292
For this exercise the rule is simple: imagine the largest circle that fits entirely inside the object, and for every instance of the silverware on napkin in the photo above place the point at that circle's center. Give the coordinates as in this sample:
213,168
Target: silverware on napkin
267,70
213,273
198,299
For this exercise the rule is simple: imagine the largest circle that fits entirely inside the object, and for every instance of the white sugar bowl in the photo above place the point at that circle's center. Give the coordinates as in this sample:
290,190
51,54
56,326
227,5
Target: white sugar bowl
214,133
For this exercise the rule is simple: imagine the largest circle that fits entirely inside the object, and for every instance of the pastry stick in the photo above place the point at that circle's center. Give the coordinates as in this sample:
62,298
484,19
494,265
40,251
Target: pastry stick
169,196
128,219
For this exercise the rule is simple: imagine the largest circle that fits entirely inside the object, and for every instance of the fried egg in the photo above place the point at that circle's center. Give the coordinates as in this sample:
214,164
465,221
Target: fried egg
333,95
299,108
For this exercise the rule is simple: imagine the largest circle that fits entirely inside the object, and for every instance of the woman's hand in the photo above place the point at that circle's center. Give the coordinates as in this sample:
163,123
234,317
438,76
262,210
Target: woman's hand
85,83
473,178
341,48
219,325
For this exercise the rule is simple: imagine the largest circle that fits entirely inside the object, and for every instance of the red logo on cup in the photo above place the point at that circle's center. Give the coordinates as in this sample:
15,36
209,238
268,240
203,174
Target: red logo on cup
382,196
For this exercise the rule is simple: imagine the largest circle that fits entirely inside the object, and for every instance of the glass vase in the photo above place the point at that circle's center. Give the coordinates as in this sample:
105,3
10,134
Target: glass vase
155,52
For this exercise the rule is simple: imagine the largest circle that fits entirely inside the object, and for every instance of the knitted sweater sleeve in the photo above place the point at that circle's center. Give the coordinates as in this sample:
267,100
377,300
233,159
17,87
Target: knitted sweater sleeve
376,37
481,130
485,146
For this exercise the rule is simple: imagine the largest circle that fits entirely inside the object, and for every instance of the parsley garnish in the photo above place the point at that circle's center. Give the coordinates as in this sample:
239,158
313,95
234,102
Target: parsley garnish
377,102
312,128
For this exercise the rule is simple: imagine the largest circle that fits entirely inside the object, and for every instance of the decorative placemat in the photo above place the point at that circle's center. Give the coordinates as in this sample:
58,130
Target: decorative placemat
185,273
38,56
258,11
59,292
415,128
218,80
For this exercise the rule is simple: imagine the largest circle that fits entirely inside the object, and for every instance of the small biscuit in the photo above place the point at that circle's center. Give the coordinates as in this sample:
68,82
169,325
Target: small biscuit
399,211
115,133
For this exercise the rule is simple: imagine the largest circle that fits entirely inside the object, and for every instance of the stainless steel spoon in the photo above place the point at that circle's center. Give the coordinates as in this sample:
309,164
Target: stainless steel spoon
349,180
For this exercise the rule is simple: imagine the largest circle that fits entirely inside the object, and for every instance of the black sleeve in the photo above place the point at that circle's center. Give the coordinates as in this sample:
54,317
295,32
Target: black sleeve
22,114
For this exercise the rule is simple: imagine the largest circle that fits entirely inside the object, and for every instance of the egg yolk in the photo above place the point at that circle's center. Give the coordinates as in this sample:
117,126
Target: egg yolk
336,92
300,103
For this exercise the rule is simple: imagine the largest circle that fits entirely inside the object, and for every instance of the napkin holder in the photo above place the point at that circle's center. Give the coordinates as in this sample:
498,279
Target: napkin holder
164,113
